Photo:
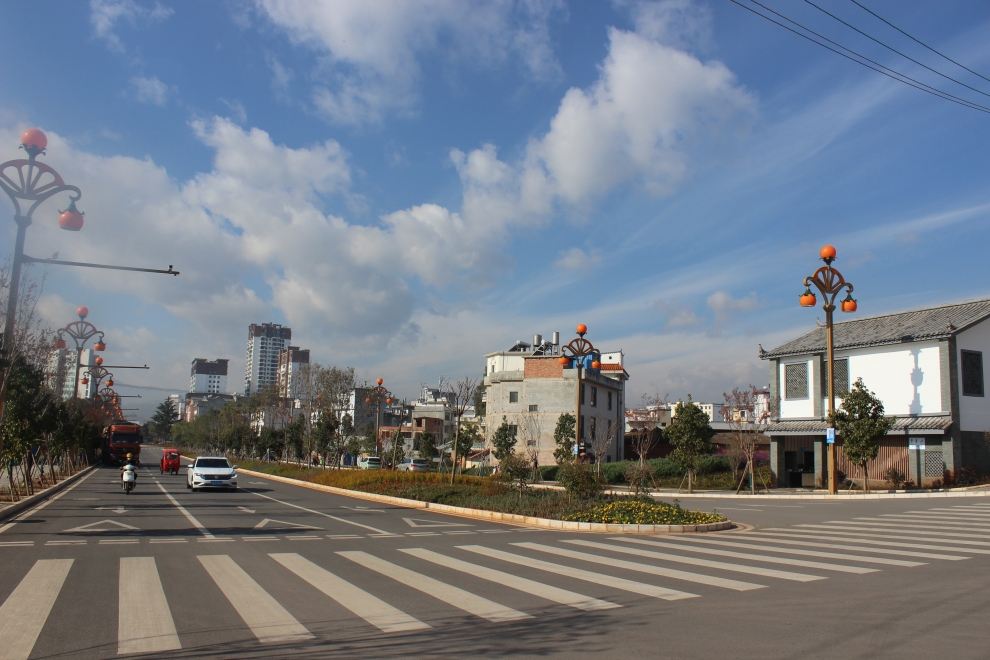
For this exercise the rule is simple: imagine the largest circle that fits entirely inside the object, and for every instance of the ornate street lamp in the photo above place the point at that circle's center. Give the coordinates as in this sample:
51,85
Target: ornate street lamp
830,284
582,354
378,393
80,331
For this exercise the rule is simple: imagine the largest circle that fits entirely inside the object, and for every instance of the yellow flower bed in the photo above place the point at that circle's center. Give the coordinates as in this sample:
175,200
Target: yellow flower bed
636,512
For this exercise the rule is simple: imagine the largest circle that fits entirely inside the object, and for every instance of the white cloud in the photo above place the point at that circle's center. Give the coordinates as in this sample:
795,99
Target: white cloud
149,90
579,260
106,14
725,307
679,23
372,47
678,314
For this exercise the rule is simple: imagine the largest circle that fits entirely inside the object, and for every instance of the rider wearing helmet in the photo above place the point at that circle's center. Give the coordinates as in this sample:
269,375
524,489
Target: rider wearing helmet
129,462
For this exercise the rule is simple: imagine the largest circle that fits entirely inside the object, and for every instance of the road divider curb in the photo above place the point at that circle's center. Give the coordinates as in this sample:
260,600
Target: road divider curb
28,502
497,516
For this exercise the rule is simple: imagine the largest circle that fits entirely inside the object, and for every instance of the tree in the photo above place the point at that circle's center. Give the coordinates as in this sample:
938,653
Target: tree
646,425
531,427
601,438
691,435
457,399
748,413
503,441
861,424
427,445
564,437
164,418
478,401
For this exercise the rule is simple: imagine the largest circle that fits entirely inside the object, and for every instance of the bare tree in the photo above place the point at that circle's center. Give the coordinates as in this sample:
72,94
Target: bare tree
646,424
748,412
602,436
457,399
531,430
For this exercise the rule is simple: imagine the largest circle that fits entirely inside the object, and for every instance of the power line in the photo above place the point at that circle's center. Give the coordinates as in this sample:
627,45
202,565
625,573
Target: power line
894,50
919,41
894,75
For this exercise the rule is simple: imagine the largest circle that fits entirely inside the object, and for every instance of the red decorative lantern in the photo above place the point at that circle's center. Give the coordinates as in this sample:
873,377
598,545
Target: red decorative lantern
34,139
110,383
596,365
98,360
71,219
563,360
99,346
85,380
82,312
59,343
808,299
827,253
849,305
380,381
582,329
388,400
368,400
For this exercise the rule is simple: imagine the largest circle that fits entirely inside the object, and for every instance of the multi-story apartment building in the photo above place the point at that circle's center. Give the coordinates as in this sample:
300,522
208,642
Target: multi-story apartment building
208,377
291,361
531,388
261,364
62,370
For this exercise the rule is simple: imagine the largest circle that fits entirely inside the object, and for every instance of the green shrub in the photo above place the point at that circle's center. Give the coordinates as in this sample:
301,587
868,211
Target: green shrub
631,511
549,472
580,480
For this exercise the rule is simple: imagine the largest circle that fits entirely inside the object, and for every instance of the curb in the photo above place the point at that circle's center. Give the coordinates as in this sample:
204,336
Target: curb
29,502
962,491
481,514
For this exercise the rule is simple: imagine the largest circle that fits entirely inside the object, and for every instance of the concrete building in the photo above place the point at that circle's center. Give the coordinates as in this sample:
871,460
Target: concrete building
925,365
263,346
528,386
291,362
62,372
208,377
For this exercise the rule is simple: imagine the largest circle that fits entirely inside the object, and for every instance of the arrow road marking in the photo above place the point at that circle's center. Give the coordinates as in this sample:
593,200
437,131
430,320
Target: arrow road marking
419,522
282,522
245,509
93,527
363,509
118,510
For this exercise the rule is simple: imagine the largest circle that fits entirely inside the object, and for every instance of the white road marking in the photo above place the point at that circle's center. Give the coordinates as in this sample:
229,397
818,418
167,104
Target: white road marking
462,600
580,574
858,537
24,613
269,621
793,551
10,544
144,621
30,512
325,515
370,608
101,527
195,523
913,523
245,509
761,536
419,522
265,522
532,587
944,511
879,528
721,565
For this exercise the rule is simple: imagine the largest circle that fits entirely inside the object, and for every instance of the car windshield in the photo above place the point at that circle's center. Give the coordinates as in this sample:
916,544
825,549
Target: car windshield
212,463
373,459
419,461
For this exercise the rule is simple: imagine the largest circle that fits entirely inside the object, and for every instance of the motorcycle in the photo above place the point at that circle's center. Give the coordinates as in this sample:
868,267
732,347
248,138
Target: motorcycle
128,479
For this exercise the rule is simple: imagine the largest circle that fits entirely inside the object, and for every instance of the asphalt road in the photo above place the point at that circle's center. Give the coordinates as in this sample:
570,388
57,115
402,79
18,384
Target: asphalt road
274,570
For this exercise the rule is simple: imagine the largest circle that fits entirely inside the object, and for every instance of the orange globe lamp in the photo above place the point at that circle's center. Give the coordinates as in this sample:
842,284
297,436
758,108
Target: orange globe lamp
59,343
99,346
380,381
849,305
110,383
808,299
71,219
82,311
388,400
368,400
827,252
563,360
98,360
582,329
84,381
596,365
34,139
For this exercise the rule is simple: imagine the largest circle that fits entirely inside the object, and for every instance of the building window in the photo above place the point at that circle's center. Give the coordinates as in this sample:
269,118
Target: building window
582,392
533,407
841,382
513,397
972,373
582,427
609,400
594,427
796,381
594,395
513,430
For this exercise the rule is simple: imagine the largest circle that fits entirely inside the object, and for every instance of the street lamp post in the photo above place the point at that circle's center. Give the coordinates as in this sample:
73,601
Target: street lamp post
829,283
378,393
80,331
578,351
97,374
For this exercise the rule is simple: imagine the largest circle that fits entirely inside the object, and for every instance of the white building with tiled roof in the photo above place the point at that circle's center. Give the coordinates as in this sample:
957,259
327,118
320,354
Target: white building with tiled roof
926,366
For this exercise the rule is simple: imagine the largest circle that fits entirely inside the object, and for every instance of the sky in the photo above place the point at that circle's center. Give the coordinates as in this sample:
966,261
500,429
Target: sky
410,185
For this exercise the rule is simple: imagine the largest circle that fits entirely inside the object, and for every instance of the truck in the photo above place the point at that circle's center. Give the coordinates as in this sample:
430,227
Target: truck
121,440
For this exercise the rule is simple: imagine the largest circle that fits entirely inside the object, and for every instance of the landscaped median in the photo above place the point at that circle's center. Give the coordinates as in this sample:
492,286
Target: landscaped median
492,499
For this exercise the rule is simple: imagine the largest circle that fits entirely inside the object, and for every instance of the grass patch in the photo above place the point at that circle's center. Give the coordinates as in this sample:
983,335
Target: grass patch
490,495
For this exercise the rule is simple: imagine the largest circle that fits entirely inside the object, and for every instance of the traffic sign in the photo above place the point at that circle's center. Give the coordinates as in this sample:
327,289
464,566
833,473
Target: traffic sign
830,435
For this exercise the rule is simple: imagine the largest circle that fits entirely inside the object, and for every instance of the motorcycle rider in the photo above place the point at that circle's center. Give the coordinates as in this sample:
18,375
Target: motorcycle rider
129,465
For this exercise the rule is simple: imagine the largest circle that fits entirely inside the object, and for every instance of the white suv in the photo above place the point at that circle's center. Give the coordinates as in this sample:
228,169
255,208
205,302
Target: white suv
211,472
370,463
414,465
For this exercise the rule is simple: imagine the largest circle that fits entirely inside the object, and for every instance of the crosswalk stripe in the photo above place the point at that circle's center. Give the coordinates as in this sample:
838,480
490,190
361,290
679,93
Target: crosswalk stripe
725,566
532,587
858,538
904,553
647,568
942,511
269,621
922,524
623,584
798,562
878,528
459,598
144,621
940,519
24,613
370,608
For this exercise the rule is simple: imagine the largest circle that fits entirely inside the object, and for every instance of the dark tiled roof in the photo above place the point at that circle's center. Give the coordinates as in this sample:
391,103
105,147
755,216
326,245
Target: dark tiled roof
901,425
930,323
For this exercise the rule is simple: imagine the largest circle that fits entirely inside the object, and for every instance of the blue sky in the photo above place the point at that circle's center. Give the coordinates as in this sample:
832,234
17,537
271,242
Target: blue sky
411,185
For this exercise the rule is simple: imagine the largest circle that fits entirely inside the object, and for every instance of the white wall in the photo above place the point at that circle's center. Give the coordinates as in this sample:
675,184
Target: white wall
974,411
796,408
505,362
906,377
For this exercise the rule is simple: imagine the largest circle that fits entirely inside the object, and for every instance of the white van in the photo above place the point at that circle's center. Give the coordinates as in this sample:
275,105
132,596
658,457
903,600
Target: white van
370,463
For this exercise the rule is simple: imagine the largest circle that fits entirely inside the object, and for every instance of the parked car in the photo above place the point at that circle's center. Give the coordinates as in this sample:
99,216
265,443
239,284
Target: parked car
211,472
370,462
414,465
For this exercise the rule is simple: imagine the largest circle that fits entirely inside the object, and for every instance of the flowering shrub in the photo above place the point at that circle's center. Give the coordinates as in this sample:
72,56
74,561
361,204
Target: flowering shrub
628,511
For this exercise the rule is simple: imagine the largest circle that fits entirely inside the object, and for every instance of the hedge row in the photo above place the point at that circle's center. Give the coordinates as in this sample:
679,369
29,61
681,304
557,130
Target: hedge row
662,467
